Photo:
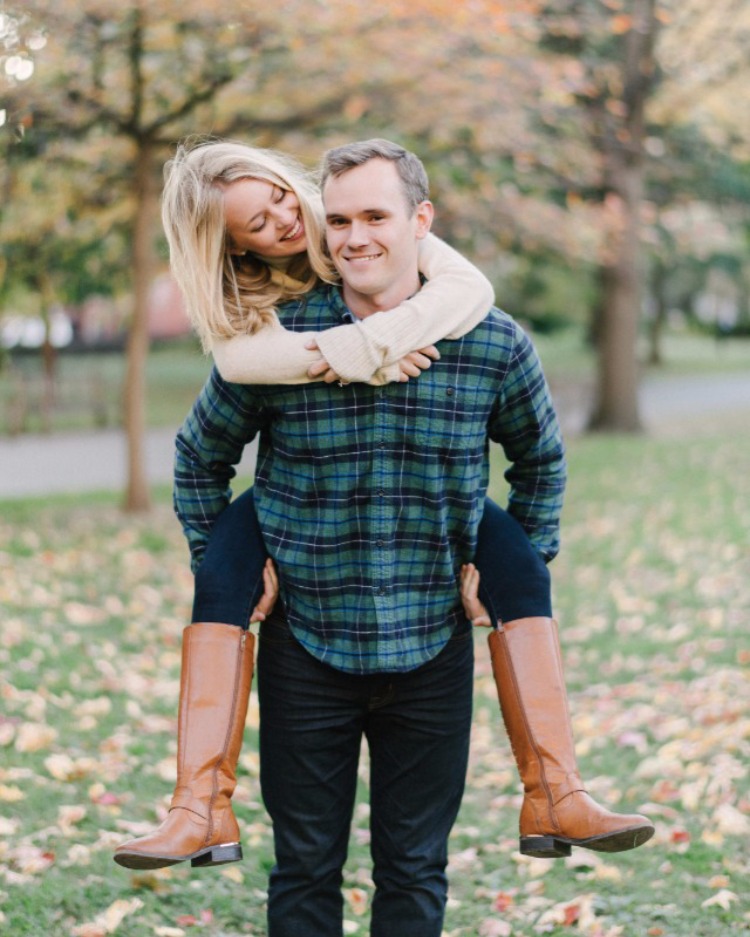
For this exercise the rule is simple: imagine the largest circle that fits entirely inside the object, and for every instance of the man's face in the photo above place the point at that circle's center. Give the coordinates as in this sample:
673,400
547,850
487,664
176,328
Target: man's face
372,236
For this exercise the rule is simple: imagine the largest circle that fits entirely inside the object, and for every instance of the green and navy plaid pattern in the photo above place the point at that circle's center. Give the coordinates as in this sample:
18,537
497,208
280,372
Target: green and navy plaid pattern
369,498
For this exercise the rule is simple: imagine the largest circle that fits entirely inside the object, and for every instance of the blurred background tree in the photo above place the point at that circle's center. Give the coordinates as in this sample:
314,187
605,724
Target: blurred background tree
575,150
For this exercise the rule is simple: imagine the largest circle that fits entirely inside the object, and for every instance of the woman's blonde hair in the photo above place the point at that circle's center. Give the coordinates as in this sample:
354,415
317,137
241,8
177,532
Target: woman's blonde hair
228,294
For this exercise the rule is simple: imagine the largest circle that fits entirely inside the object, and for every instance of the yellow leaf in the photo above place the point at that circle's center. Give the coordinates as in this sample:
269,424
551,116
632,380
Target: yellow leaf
117,912
8,827
723,899
10,794
730,821
67,816
34,736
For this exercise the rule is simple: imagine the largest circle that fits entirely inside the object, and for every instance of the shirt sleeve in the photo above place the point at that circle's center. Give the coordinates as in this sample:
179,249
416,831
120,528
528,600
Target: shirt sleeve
525,424
455,298
223,420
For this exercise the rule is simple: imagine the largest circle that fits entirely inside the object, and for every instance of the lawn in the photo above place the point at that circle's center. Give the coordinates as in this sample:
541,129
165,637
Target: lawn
652,591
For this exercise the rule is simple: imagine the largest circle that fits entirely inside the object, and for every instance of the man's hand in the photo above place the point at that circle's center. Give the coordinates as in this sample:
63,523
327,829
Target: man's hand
270,593
474,609
321,367
415,362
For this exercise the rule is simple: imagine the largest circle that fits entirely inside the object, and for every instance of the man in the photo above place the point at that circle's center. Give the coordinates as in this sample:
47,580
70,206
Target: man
369,500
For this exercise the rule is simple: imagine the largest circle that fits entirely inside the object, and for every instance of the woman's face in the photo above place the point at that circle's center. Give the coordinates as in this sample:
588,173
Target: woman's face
263,218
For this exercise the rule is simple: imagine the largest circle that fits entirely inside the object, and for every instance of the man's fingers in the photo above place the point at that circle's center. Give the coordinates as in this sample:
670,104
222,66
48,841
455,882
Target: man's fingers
420,360
270,593
318,368
475,610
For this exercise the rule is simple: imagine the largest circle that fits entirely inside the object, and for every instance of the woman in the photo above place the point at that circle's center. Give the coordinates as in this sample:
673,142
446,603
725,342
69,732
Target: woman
245,233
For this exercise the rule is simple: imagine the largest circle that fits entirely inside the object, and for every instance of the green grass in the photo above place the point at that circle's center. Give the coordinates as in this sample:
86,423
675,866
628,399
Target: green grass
88,389
652,591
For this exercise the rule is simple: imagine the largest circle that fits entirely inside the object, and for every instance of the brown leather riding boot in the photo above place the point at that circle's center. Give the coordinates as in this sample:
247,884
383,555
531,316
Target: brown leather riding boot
217,670
557,812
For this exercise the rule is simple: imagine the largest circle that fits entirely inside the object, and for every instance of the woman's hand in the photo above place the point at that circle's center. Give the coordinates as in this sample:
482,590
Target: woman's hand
415,362
270,593
475,610
321,368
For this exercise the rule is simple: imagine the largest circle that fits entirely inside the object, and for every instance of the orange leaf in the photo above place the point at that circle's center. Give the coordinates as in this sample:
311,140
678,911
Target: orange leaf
503,901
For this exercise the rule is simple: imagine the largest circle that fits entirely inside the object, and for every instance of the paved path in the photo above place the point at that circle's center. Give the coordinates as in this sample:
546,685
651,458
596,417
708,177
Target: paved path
38,465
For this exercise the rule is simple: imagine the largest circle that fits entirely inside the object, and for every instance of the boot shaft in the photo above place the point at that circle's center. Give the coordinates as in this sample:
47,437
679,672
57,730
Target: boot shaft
217,669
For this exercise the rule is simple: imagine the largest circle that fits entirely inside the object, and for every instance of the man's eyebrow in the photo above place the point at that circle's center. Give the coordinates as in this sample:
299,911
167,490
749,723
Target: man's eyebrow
362,211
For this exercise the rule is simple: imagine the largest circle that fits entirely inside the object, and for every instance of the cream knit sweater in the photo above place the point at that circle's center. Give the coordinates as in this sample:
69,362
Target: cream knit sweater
455,298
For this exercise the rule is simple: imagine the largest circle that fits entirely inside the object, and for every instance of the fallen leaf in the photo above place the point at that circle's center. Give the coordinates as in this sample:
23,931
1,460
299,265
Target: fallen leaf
33,737
492,927
723,899
10,794
357,900
503,901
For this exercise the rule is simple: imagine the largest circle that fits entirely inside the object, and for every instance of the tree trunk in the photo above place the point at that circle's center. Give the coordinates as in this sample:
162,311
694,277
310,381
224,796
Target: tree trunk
49,354
137,493
616,407
658,322
617,379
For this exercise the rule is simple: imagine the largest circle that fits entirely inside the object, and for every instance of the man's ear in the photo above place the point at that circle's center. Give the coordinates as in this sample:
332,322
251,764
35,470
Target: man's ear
424,213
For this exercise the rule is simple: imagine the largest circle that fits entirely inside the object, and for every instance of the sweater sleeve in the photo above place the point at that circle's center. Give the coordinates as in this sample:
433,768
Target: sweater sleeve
272,355
456,297
275,355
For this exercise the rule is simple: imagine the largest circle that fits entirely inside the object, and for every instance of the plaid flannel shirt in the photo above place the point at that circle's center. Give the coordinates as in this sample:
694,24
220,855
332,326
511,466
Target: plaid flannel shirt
369,498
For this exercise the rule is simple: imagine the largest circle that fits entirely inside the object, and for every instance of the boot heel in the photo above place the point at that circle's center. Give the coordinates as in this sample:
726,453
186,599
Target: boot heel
219,855
544,847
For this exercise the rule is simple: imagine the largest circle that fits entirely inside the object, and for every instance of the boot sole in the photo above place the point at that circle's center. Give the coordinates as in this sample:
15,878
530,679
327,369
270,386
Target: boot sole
558,847
213,855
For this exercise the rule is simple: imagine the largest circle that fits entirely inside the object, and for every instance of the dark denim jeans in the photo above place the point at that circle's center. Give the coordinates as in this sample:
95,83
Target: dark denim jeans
312,721
515,582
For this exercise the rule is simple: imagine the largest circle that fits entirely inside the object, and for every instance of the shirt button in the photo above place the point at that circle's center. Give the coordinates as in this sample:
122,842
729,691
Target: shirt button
381,591
381,493
450,391
379,543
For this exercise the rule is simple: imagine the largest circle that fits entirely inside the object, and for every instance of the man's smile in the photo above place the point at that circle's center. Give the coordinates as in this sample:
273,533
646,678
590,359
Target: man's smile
363,257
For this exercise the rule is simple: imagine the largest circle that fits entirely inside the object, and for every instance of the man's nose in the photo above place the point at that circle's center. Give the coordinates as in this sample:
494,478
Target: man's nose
359,235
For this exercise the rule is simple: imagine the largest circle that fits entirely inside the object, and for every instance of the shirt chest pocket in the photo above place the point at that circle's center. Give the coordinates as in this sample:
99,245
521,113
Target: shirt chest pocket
451,413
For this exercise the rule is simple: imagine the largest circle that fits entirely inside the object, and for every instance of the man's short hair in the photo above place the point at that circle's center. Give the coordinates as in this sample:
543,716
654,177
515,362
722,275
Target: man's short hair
409,167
